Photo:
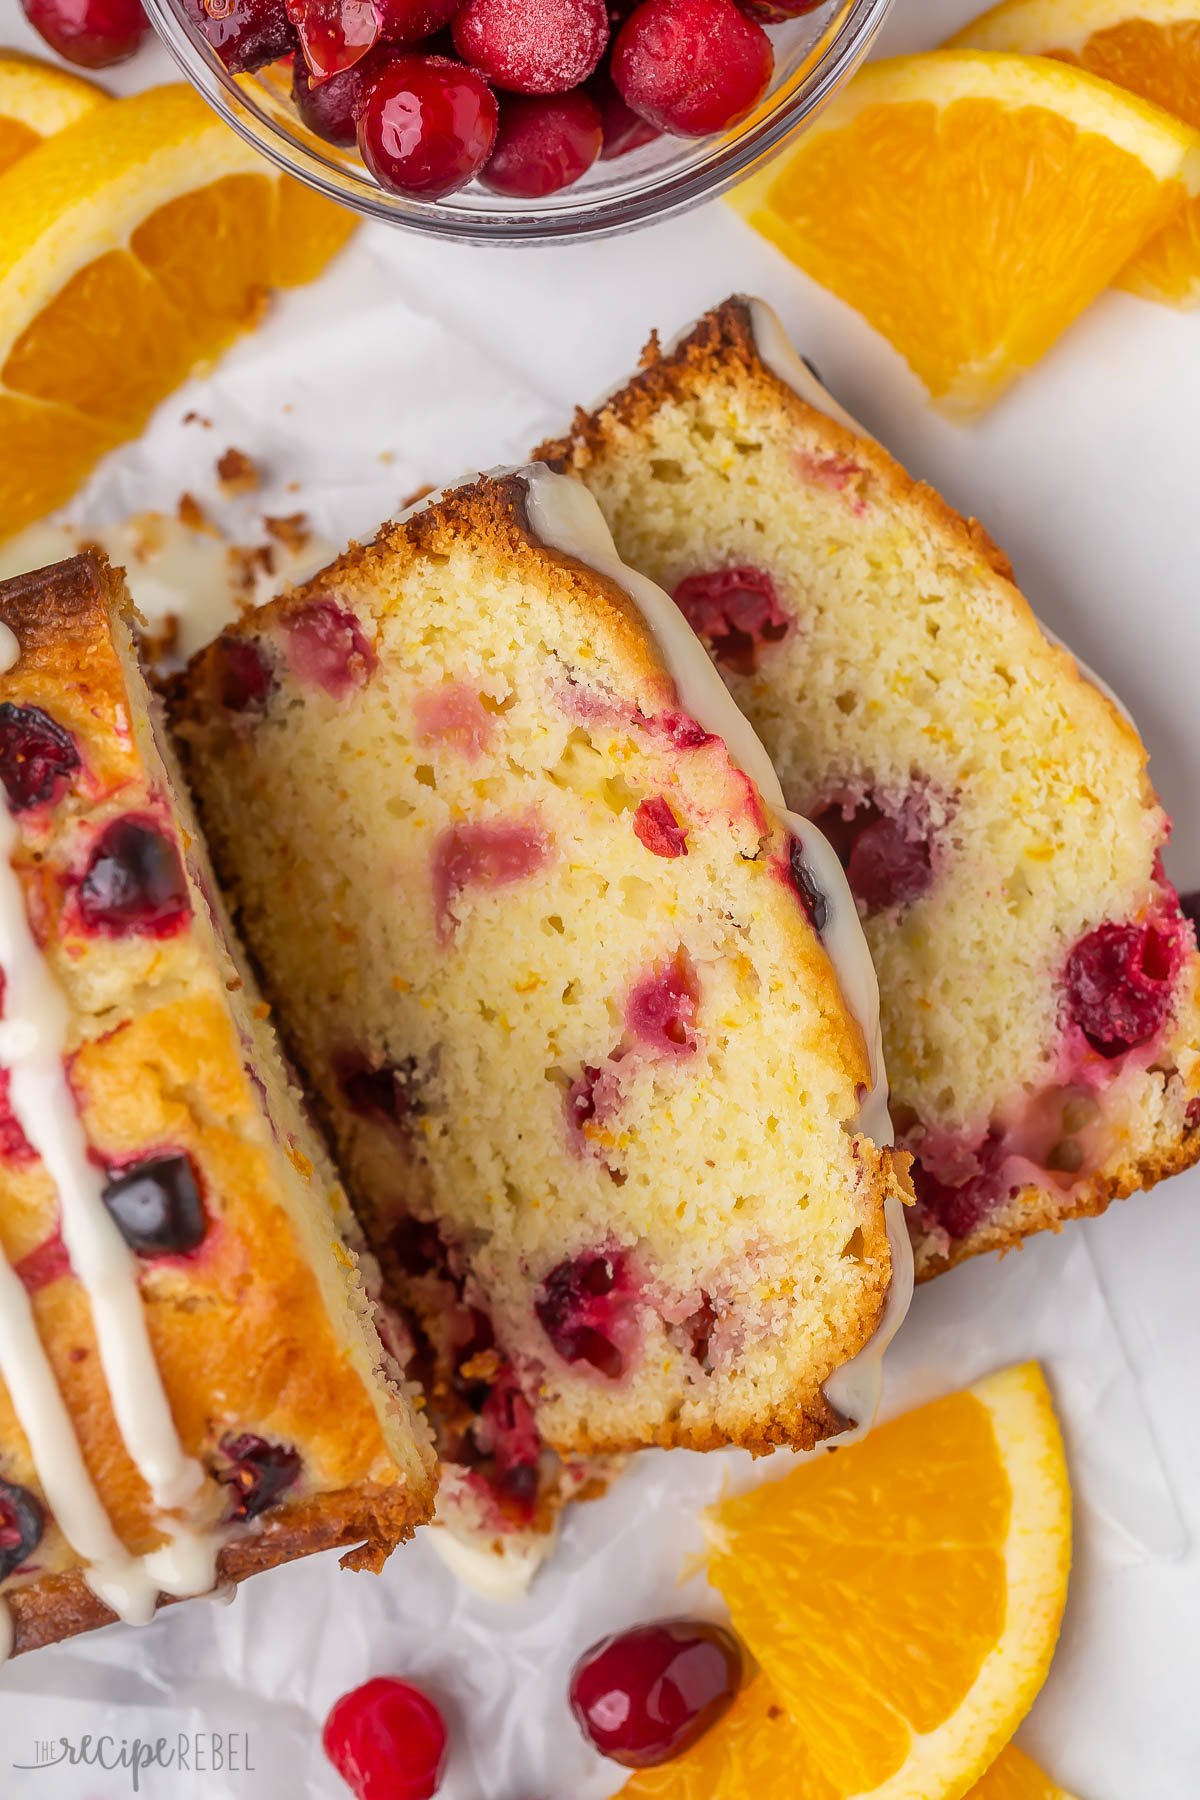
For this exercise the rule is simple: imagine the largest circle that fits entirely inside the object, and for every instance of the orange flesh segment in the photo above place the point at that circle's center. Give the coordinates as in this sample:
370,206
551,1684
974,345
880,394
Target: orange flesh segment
15,140
753,1753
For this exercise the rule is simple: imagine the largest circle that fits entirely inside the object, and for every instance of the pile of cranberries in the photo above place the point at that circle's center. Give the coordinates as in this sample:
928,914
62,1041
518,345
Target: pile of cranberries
524,94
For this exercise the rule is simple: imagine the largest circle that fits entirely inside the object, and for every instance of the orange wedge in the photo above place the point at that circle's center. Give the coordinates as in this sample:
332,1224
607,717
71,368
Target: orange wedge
1151,49
755,1753
970,204
36,100
135,246
903,1596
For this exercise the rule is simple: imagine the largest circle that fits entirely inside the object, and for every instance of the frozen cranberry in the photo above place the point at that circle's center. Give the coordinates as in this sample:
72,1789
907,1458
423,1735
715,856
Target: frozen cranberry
157,1206
37,757
887,856
326,644
661,1009
658,828
22,1522
14,1145
532,46
621,127
577,1309
257,1471
691,66
91,33
735,612
643,1696
334,34
1120,983
427,126
406,21
48,1262
813,900
244,678
387,1740
134,882
246,34
481,854
385,1091
331,108
544,142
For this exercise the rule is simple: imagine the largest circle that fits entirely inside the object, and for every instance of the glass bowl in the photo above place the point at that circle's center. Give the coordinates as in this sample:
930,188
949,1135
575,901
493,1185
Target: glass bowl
813,57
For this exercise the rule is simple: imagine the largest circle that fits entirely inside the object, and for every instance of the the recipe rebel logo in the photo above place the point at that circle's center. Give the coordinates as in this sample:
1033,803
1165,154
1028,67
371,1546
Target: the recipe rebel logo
187,1752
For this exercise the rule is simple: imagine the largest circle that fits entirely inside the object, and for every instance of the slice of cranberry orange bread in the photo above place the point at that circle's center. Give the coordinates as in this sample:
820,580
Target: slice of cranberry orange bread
191,1385
989,801
507,855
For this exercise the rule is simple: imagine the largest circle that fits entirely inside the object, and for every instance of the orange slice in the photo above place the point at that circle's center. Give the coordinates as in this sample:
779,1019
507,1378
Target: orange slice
970,205
1151,49
755,1753
135,246
903,1596
36,100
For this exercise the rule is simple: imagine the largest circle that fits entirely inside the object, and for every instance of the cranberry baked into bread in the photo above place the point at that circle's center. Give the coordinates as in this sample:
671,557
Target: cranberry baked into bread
989,801
191,1386
508,860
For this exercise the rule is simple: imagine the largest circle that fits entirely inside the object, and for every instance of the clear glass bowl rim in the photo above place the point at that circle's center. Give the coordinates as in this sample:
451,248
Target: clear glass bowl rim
575,214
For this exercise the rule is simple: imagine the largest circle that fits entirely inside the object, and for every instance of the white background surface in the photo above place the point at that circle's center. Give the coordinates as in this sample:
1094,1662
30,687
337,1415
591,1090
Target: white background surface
447,357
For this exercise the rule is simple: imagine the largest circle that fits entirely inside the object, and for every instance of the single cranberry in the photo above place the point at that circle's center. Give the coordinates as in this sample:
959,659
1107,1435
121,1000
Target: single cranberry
387,1741
643,1696
683,731
334,34
331,108
326,644
22,1522
427,126
577,1308
483,853
736,612
46,1263
544,142
453,714
958,1208
1120,984
658,828
244,677
15,1147
812,899
158,1207
692,66
623,130
407,21
94,34
37,757
532,46
246,34
384,1091
887,857
134,882
257,1471
661,1008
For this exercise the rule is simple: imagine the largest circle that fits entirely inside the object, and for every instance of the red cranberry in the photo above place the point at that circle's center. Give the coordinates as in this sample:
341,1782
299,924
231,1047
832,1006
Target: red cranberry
576,1309
887,856
692,66
661,1009
482,853
735,612
622,128
384,1091
15,1147
246,34
134,882
22,1522
157,1206
406,21
683,731
258,1473
387,1741
453,714
427,126
331,108
46,1263
245,679
643,1696
508,1432
91,33
658,828
326,644
532,46
958,1209
1120,982
544,142
334,34
812,899
37,757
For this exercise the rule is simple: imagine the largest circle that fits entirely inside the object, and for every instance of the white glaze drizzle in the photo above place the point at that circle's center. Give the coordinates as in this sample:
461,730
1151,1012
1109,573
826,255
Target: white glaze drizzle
33,1042
565,516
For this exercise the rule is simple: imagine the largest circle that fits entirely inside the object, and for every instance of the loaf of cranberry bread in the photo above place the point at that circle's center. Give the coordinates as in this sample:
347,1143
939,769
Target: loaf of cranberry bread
191,1384
988,799
512,866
